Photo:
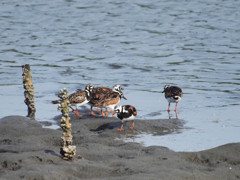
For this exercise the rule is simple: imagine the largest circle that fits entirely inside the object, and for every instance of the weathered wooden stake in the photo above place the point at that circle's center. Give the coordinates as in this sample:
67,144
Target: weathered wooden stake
29,90
67,150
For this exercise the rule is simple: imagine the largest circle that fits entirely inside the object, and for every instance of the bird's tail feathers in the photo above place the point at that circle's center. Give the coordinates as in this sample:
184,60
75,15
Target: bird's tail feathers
176,97
56,102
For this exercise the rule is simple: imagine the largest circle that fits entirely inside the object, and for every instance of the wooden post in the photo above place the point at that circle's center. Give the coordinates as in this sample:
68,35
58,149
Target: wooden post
67,150
29,91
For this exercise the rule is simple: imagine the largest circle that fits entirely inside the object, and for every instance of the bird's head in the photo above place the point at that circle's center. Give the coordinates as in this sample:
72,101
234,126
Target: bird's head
89,87
118,109
165,87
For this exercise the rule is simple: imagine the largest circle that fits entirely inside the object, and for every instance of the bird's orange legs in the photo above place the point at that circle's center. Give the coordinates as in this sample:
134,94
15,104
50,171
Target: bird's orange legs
112,113
168,107
102,113
76,112
175,108
106,112
132,127
92,113
121,129
98,109
169,115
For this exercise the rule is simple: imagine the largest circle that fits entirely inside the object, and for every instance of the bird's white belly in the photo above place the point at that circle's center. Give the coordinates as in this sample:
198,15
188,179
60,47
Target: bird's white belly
172,100
112,106
129,118
80,104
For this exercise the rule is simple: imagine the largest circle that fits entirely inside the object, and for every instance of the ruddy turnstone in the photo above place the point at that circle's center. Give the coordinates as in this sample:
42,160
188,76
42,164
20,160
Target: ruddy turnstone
126,113
103,97
173,94
79,98
111,100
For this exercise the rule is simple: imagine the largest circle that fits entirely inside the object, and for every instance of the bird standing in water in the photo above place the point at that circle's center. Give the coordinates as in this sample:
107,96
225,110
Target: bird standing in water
173,94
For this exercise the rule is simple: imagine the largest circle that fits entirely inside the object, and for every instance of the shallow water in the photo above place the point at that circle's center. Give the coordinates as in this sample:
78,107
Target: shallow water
140,45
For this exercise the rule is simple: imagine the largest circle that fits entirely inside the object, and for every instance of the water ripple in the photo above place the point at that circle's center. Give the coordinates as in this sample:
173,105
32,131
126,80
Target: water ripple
141,45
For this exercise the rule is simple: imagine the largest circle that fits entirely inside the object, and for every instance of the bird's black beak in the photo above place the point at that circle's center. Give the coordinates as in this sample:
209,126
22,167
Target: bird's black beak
163,91
124,97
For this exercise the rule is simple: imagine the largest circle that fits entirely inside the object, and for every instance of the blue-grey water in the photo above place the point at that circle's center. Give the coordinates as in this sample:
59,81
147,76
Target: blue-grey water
141,45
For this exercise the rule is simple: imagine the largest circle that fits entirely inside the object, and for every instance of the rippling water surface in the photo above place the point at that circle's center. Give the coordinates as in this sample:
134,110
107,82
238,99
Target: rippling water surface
141,45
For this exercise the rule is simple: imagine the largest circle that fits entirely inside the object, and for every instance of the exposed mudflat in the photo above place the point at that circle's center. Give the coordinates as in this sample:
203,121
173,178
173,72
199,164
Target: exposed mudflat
28,151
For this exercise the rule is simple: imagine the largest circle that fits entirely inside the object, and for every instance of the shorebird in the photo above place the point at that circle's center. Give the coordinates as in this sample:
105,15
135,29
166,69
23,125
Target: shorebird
79,98
173,94
126,113
103,97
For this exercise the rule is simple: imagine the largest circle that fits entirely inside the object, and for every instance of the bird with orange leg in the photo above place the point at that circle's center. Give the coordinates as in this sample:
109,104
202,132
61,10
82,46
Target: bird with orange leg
79,98
126,113
173,94
103,97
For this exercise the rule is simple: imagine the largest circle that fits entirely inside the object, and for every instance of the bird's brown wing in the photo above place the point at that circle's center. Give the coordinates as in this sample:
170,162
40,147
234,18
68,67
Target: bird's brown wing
110,99
173,91
77,97
99,94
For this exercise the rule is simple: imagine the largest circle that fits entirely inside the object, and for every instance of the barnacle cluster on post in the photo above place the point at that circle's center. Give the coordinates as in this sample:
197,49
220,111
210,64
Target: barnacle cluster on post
29,90
67,150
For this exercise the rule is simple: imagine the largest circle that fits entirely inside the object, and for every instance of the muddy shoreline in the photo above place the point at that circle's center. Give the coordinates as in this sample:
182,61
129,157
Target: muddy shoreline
28,151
